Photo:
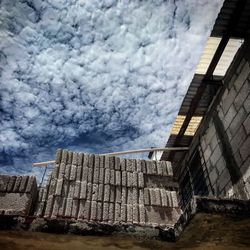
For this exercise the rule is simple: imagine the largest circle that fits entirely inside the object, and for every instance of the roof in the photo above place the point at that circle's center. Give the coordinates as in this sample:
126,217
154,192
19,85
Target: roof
230,29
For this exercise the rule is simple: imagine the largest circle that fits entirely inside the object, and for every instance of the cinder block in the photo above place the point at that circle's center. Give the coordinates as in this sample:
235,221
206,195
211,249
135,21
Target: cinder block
94,192
135,214
62,204
111,213
55,171
135,196
23,184
123,212
10,185
74,158
55,207
105,213
90,175
141,197
69,158
124,178
80,157
96,169
93,215
62,168
91,161
101,176
67,172
118,196
174,199
85,174
81,209
112,162
146,196
157,197
117,164
58,156
106,163
100,192
117,212
130,196
106,193
129,213
86,212
73,173
71,190
64,156
135,182
159,167
154,168
83,193
112,177
129,179
140,180
123,164
237,121
164,198
138,165
59,186
149,167
124,195
68,209
75,208
99,211
142,214
102,161
170,169
118,178
112,194
89,191
164,168
49,206
85,161
107,176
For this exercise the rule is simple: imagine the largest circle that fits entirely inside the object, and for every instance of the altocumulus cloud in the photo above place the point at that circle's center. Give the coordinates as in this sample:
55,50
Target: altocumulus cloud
94,75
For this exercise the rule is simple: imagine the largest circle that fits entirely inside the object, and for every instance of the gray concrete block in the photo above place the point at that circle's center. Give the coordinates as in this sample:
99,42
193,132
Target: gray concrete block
118,178
123,164
130,179
117,212
86,212
55,209
124,178
237,121
112,177
140,180
94,192
49,206
174,199
58,156
146,196
159,167
112,162
69,158
96,169
62,168
100,192
31,186
157,197
149,167
101,176
130,196
231,113
129,213
169,168
81,210
112,194
118,195
10,185
106,162
78,173
106,193
107,176
154,168
85,160
75,209
164,168
111,213
141,197
23,184
142,216
85,174
67,172
72,176
123,212
89,191
244,150
99,211
139,165
164,198
71,190
228,101
62,205
135,214
59,186
77,190
90,175
102,161
64,156
91,161
131,165
55,171
124,195
83,193
93,215
74,158
105,211
117,164
80,157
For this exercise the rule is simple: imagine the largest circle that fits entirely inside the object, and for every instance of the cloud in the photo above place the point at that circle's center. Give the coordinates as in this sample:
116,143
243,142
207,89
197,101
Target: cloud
96,75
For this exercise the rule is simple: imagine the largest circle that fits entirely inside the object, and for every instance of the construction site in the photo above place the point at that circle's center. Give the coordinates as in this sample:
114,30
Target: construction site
194,193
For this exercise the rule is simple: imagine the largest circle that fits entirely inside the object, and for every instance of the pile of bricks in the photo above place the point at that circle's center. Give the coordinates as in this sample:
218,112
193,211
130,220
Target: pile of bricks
17,194
111,190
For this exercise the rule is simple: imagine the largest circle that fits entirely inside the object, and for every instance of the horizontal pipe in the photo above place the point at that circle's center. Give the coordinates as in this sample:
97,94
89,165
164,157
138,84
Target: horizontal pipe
136,151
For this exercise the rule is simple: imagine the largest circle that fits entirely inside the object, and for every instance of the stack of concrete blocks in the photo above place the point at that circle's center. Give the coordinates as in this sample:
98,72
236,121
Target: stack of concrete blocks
229,172
17,195
109,190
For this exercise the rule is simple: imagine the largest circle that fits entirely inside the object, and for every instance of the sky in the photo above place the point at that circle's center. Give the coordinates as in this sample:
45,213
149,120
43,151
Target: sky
94,76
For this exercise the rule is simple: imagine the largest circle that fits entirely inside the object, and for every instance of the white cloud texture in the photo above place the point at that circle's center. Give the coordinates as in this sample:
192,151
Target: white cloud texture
94,75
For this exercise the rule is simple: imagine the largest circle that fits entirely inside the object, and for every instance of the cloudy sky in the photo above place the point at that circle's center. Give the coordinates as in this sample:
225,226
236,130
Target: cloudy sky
92,75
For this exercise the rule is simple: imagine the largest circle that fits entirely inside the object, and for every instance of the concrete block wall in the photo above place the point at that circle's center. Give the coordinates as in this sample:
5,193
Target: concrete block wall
224,144
17,195
88,187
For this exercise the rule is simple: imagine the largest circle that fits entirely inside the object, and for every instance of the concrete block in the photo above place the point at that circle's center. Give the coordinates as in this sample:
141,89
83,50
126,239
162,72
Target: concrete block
157,197
93,215
100,192
123,212
89,191
49,206
106,193
149,167
68,208
227,102
55,207
61,210
90,175
67,171
111,213
74,158
99,211
75,208
23,184
135,196
164,168
123,164
106,162
102,161
59,186
112,194
107,176
246,124
174,199
62,168
72,176
83,193
146,196
141,196
129,179
105,212
238,139
31,186
4,180
135,183
55,171
164,198
118,195
154,168
117,164
117,212
10,185
124,195
142,214
131,165
94,192
140,180
124,178
244,150
80,157
81,209
135,214
231,113
101,176
159,165
221,165
86,212
118,178
96,169
91,161
85,161
58,156
170,168
130,196
139,165
129,213
112,162
64,156
112,177
237,121
69,158
152,196
215,155
71,190
85,174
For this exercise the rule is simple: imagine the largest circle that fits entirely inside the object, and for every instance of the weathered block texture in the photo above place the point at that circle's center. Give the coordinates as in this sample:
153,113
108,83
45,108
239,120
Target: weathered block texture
109,190
17,194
